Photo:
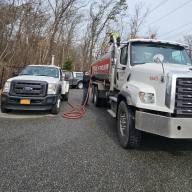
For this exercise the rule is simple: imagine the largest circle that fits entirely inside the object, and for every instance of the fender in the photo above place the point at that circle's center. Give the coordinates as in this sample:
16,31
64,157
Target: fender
100,85
130,92
123,95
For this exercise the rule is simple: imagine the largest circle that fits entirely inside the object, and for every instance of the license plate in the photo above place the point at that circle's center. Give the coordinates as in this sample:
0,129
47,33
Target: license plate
25,102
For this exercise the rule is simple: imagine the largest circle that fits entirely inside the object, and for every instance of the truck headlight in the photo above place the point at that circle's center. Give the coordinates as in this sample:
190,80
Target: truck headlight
148,98
52,88
7,86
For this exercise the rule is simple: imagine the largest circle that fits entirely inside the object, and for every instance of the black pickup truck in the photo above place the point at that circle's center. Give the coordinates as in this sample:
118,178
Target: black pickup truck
75,79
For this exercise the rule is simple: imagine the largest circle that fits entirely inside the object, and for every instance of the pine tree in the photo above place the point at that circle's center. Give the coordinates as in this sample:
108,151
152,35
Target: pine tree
68,65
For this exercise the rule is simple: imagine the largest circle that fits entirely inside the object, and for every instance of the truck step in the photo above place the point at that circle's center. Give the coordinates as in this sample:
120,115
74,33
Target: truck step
111,113
113,98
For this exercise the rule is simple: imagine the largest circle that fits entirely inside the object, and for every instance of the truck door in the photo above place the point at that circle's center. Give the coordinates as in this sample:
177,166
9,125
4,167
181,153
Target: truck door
121,67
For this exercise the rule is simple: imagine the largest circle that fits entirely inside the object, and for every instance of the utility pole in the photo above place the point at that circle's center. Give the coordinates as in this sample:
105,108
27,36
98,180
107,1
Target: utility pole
53,60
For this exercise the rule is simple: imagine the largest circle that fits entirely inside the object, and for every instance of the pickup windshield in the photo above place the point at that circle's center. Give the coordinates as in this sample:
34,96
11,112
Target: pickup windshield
41,71
142,53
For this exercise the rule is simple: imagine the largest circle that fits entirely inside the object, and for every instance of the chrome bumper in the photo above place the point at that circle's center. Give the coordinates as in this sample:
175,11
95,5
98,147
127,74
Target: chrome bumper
180,128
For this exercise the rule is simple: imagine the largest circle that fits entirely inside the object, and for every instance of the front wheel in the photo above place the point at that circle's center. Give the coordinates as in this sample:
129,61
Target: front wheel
4,110
129,137
56,107
65,97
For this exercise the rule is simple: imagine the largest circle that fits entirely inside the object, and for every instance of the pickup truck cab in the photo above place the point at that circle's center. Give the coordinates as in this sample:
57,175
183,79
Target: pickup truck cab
37,87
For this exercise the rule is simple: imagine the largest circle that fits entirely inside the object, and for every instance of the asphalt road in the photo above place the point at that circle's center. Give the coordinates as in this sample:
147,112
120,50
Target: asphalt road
53,154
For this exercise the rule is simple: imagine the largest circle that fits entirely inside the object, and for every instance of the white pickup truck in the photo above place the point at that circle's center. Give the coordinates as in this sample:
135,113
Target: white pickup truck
37,87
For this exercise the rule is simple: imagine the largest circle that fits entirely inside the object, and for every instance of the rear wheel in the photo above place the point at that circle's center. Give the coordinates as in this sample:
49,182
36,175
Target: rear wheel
56,107
80,85
129,137
96,99
92,94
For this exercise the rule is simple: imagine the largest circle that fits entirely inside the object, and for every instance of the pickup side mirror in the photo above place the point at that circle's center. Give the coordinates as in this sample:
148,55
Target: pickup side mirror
65,77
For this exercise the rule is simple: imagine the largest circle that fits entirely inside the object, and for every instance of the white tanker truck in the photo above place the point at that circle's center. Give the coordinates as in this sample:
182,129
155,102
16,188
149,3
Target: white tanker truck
148,84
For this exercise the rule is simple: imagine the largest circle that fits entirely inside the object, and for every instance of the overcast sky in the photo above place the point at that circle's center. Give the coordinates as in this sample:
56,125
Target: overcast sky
175,24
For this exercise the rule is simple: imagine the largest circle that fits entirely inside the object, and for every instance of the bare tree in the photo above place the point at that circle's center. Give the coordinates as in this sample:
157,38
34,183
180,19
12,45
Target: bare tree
60,9
101,14
137,19
32,30
188,41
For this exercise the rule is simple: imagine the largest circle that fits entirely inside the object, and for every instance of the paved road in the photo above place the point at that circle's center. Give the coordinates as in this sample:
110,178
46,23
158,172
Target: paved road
52,154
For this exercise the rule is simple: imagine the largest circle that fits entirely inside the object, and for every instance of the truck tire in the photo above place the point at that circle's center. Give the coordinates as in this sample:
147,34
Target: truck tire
129,137
96,99
92,94
56,107
65,97
80,85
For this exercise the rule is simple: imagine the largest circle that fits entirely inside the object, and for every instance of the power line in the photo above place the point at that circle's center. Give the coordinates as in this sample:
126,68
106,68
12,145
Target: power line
174,10
169,36
158,6
173,30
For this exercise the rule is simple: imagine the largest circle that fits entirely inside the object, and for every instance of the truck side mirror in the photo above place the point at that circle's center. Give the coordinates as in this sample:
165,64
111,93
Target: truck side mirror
159,58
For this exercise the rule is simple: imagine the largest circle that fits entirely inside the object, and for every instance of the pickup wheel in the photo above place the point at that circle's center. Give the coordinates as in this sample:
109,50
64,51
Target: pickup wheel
129,137
56,107
4,110
65,97
80,85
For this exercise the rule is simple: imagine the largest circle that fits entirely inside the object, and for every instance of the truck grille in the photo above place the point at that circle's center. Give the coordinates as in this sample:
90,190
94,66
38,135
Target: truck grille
183,98
28,88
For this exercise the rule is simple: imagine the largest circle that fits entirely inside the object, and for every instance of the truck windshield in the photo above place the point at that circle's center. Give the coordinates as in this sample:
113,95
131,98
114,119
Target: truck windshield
41,71
142,53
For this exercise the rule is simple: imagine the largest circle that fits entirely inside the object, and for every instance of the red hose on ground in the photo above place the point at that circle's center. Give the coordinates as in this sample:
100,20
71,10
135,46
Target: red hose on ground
78,111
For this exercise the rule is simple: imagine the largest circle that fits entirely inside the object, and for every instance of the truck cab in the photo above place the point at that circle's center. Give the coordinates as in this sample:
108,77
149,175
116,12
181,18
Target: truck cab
37,87
149,89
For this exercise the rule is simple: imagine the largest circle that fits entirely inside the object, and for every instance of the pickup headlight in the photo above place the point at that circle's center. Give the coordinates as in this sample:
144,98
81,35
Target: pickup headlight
147,98
52,88
7,86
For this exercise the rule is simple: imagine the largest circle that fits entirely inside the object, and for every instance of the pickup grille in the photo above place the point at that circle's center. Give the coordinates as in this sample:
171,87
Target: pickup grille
28,88
183,98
